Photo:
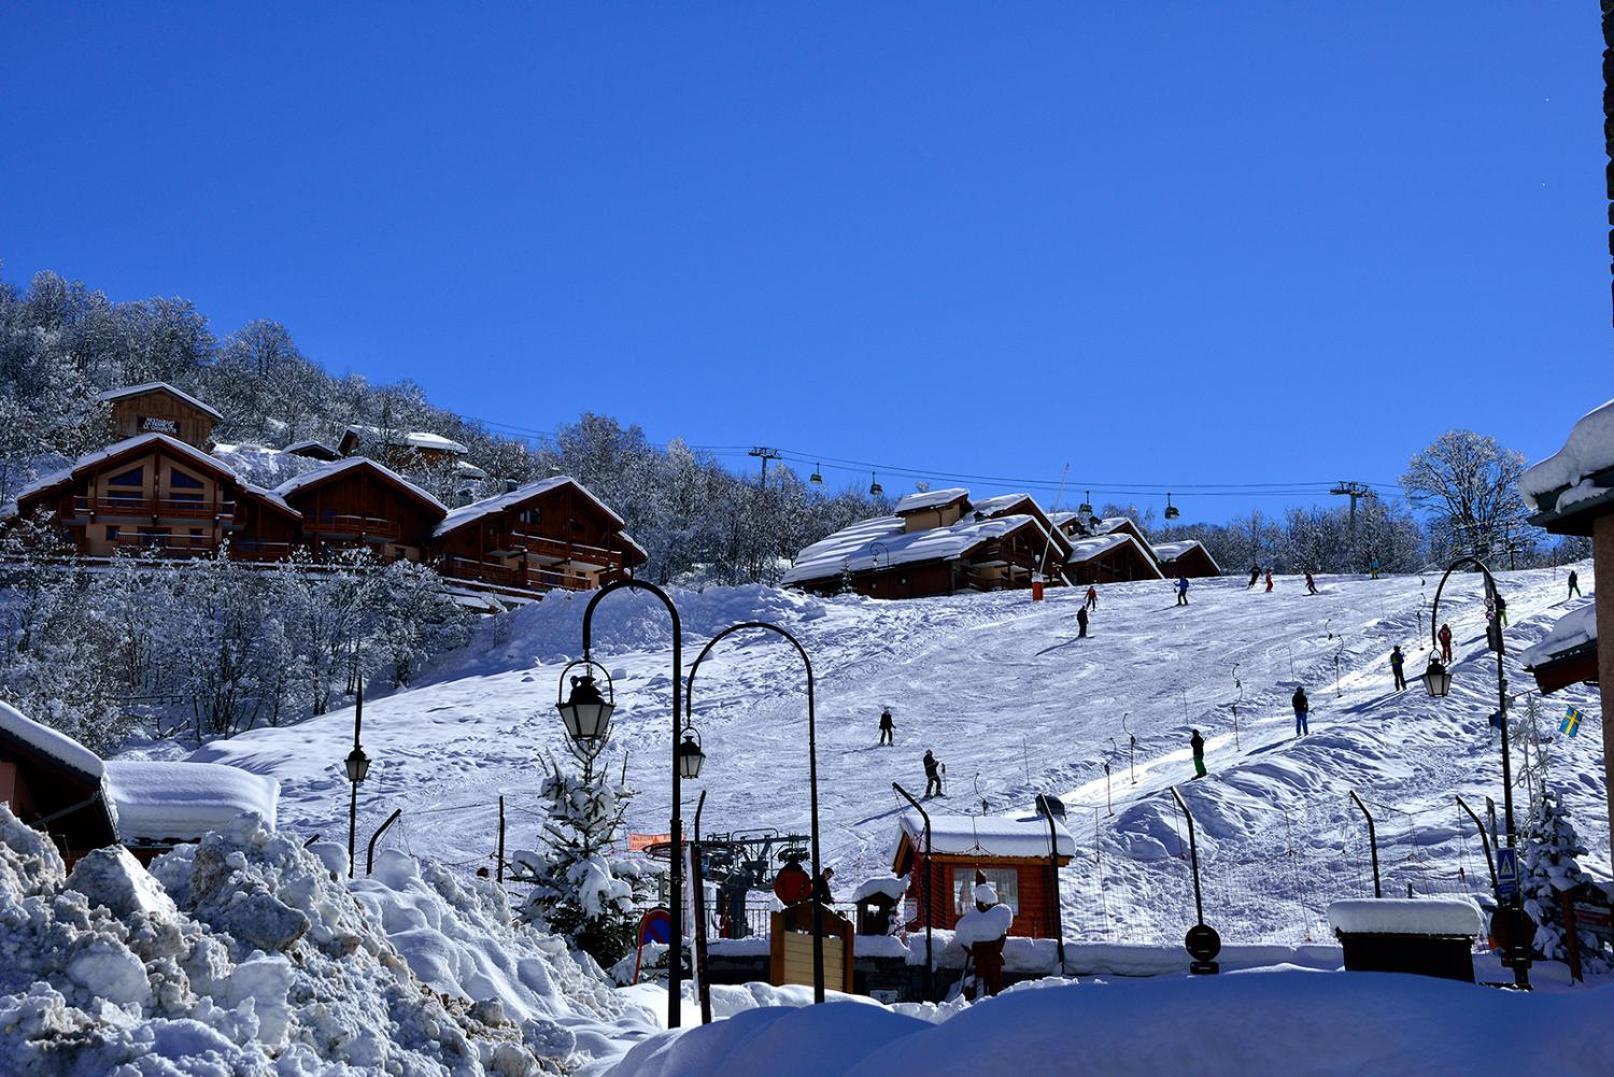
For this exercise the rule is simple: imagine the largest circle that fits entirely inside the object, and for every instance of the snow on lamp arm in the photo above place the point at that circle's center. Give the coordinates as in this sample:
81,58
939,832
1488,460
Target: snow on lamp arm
812,776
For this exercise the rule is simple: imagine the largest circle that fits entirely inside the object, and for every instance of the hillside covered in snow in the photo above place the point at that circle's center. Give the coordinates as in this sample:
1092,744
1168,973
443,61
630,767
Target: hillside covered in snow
1015,705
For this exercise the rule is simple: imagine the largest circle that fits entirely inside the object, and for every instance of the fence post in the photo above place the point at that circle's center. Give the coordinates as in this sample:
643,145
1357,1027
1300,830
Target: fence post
1203,943
499,867
1372,842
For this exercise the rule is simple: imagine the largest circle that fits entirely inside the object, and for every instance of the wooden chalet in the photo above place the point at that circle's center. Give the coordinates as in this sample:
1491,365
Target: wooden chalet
312,450
55,785
545,535
1187,559
396,446
935,543
1568,654
357,503
1019,857
158,408
1113,558
154,492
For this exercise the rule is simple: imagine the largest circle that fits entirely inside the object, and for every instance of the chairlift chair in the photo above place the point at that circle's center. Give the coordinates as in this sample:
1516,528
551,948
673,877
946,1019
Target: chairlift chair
875,489
1172,511
817,476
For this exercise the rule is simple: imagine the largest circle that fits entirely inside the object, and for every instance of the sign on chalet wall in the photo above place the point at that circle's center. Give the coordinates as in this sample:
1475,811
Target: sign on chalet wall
151,424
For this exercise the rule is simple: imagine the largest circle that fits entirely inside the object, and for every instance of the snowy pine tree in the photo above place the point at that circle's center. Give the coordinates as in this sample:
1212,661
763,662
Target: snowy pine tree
579,889
1551,868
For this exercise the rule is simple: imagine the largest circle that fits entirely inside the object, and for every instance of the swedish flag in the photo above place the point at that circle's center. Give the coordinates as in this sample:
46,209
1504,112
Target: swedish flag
1571,722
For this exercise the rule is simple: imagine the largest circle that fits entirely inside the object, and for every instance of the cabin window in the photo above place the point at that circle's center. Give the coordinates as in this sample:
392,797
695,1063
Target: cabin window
1005,880
112,534
178,480
531,516
135,476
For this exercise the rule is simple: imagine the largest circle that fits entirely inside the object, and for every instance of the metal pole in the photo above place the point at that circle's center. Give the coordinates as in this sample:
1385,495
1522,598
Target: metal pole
1193,852
499,868
1485,841
812,777
930,961
1373,842
1108,803
1053,875
369,853
675,941
698,891
353,798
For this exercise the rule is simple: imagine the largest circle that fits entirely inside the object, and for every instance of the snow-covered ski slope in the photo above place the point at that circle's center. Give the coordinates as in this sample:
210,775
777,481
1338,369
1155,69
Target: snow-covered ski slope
1014,704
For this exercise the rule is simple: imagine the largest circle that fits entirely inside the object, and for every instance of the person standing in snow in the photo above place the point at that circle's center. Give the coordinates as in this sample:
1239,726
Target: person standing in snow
1092,597
1574,585
887,728
1182,590
1269,581
1255,574
1081,622
1302,707
1501,609
933,773
1197,743
1311,585
981,932
1373,569
1397,661
1445,643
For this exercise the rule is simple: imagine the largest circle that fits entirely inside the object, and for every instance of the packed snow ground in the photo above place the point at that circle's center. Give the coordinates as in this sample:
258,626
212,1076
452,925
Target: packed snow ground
1014,704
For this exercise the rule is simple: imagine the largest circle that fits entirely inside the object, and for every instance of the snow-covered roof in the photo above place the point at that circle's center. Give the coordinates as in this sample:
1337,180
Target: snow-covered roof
993,506
299,447
1405,916
986,835
1062,517
1087,549
126,447
163,800
929,499
1570,632
415,439
894,887
158,387
882,542
465,514
47,741
1581,471
332,470
1166,552
1115,523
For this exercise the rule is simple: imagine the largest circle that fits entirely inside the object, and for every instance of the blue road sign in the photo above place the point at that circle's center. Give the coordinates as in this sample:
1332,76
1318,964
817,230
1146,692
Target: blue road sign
1507,873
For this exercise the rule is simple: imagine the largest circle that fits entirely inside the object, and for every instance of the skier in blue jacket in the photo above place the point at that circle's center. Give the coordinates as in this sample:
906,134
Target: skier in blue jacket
1182,590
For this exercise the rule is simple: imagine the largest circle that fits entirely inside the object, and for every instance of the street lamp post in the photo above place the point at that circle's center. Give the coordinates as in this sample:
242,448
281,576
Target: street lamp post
812,777
586,715
358,766
1437,680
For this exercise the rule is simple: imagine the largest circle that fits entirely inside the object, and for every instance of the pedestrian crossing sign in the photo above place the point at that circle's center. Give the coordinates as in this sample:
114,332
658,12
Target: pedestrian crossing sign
1571,723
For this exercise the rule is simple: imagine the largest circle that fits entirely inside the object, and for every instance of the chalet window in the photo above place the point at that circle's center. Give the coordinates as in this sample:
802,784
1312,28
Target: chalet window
178,480
531,516
1005,880
112,534
133,477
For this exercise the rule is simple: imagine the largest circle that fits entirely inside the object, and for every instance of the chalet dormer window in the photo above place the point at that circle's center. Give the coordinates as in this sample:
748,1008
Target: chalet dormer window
178,480
135,476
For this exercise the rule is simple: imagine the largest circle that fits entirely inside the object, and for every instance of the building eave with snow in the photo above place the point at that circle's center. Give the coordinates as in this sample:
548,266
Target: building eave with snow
1568,654
1185,559
1018,856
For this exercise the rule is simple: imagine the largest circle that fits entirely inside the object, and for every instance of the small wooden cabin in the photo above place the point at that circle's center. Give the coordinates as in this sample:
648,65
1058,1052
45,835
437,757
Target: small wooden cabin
158,408
1568,654
544,535
359,503
1018,856
1113,558
1187,559
55,785
400,446
313,450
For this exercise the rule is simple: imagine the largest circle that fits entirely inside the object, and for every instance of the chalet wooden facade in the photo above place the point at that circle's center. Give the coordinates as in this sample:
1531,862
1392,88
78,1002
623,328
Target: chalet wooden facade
1019,857
1187,559
159,408
358,503
548,534
1113,558
398,446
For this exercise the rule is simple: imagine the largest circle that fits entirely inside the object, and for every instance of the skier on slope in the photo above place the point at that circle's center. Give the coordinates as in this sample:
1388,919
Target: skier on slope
1255,574
1397,662
1092,597
1574,585
933,775
1197,743
887,728
1445,642
1501,609
1302,707
1269,581
1182,590
1081,622
1373,569
1311,585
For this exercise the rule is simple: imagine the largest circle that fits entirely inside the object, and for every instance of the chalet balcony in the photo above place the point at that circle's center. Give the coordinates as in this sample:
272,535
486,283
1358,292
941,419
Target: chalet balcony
338,526
557,552
174,508
498,575
169,545
248,549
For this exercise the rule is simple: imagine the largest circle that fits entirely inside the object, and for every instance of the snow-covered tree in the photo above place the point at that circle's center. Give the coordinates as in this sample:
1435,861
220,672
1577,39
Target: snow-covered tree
1551,867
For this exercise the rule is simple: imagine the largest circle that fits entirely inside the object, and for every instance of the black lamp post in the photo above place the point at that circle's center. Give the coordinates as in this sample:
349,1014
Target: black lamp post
812,779
587,715
358,767
1437,681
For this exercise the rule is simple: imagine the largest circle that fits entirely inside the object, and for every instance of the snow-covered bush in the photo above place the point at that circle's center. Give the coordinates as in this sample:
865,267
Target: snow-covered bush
1551,868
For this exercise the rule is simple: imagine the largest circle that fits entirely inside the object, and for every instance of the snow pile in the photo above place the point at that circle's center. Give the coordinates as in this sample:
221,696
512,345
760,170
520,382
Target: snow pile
263,466
162,801
246,955
1406,916
1280,1022
1573,468
1574,629
983,925
929,499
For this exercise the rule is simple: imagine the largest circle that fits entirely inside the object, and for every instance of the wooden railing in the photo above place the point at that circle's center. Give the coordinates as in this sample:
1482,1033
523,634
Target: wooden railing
540,546
174,544
353,524
153,506
535,579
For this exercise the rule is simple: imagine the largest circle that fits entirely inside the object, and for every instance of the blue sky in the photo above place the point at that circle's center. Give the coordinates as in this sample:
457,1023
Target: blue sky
1165,243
